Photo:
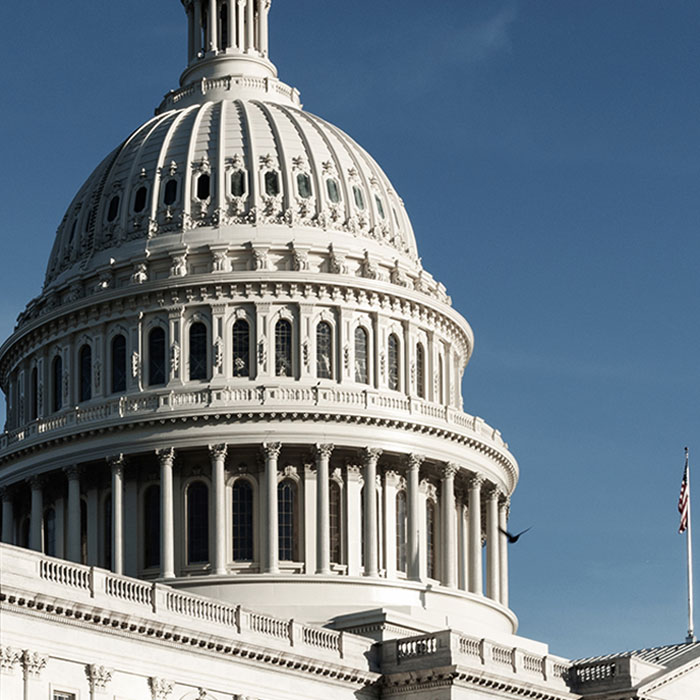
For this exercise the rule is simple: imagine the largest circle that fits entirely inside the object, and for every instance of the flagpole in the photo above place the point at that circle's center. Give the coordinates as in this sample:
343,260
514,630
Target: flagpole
689,543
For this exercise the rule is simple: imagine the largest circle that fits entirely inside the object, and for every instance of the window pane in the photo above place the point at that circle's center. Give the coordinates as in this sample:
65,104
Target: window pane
361,369
156,357
197,523
380,207
272,184
394,376
198,351
170,196
283,349
118,364
85,373
286,496
151,522
420,371
324,351
241,349
334,521
401,531
238,183
242,521
359,197
333,191
304,185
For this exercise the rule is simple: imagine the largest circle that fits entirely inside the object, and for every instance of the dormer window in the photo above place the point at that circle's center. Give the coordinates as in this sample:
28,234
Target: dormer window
359,197
272,183
113,210
333,190
203,186
238,183
304,185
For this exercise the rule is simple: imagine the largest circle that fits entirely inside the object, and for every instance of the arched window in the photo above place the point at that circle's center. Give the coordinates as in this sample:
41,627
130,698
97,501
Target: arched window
34,406
334,520
333,190
283,348
361,348
203,186
420,371
394,364
198,351
107,530
324,351
238,183
304,185
140,199
156,357
286,505
113,210
242,520
241,349
272,183
170,193
50,532
83,531
430,526
401,532
85,361
151,527
57,383
441,379
197,523
118,364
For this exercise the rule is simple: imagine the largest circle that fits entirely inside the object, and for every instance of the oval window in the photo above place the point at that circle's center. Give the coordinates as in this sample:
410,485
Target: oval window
333,191
380,207
304,185
359,197
170,196
272,183
203,186
113,209
238,183
140,199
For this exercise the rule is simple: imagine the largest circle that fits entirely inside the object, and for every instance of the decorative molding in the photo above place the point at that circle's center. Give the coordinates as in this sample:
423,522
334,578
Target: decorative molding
476,482
450,470
323,451
271,450
98,677
33,663
218,452
166,455
160,688
371,454
9,659
414,460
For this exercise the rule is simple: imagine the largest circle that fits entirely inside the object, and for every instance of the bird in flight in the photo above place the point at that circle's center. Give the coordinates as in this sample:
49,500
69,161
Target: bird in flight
512,539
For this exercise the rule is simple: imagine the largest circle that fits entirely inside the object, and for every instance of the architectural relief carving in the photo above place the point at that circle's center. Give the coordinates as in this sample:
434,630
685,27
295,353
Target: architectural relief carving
33,663
98,677
140,274
175,358
9,659
161,689
218,451
178,267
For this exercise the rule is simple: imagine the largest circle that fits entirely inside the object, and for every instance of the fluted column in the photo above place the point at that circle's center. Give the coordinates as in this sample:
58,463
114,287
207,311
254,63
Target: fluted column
117,464
493,576
212,26
413,520
449,551
503,507
37,513
217,454
166,457
8,514
322,454
370,456
73,529
475,565
271,452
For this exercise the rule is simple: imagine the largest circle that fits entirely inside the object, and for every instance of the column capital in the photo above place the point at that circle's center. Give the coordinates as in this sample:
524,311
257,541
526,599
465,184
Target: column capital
354,472
217,452
73,472
271,450
414,461
161,689
33,663
449,470
37,482
476,482
116,462
493,492
165,455
98,676
8,492
371,454
323,451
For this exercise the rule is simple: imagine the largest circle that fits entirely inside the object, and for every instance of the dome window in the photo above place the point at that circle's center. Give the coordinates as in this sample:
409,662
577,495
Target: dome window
272,183
324,351
287,520
140,199
238,183
304,185
359,197
156,357
118,364
57,383
401,532
197,523
420,371
380,207
361,356
242,520
113,210
283,348
170,195
203,186
333,190
394,367
85,365
198,352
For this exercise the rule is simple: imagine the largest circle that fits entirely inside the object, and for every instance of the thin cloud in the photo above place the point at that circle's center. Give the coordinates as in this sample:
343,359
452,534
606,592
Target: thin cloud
480,41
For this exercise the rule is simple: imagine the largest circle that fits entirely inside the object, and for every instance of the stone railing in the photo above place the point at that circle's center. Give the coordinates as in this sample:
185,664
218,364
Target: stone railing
31,575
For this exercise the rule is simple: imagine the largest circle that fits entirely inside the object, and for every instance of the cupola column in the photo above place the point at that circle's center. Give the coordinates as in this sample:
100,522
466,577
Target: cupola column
503,507
448,525
166,457
117,464
73,538
8,515
217,453
463,537
37,513
191,53
212,27
264,10
231,24
370,456
323,548
271,452
197,29
475,565
240,24
493,576
413,520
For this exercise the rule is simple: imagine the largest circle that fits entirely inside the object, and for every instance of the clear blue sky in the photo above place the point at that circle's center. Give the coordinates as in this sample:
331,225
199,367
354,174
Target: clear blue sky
548,154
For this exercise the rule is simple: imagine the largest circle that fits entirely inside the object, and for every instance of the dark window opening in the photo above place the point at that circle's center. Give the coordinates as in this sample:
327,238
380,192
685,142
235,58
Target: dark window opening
50,532
198,351
113,209
170,195
241,349
359,197
223,16
151,523
203,186
197,523
334,521
304,185
420,371
333,191
238,183
34,407
324,351
140,199
394,374
286,504
242,521
431,540
57,383
401,532
83,531
156,357
283,348
108,532
85,373
272,183
361,356
118,364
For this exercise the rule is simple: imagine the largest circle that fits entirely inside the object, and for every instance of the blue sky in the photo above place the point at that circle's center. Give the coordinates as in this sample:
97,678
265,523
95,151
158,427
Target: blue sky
548,154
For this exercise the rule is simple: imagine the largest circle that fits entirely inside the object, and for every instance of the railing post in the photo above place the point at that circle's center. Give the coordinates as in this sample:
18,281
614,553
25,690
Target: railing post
92,581
237,619
292,632
341,644
485,652
547,668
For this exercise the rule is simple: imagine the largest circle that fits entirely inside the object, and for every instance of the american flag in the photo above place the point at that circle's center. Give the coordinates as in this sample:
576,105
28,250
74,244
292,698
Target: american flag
683,498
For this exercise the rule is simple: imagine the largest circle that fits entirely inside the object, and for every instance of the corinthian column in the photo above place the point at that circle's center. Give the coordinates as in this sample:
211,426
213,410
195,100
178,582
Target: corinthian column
166,457
117,464
493,577
370,458
503,506
413,520
73,534
449,574
323,547
271,451
475,565
217,454
37,513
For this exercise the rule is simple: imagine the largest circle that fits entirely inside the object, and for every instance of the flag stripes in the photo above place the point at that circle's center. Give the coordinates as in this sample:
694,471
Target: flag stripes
683,499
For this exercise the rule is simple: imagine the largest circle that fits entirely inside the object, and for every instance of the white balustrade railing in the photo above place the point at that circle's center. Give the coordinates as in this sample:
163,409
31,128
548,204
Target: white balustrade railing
65,574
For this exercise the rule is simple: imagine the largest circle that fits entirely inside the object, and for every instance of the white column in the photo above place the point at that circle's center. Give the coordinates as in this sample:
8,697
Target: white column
166,457
37,513
231,24
271,451
217,454
8,515
197,26
391,484
117,464
475,566
493,577
264,10
370,456
449,550
463,537
503,507
413,520
249,27
353,528
73,529
323,541
309,513
240,25
213,26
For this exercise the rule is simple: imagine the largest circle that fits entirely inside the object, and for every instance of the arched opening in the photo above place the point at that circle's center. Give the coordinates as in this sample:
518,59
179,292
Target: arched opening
241,349
324,351
156,357
118,364
430,532
197,523
394,366
198,352
401,532
242,520
361,356
85,383
50,532
287,519
334,513
420,371
151,527
57,383
283,348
